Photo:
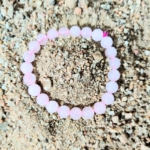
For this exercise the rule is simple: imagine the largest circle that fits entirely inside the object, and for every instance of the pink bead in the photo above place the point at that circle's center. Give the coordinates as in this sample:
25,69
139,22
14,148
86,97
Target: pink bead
42,39
34,90
27,57
75,31
113,75
106,42
52,34
26,67
99,108
114,63
64,31
52,107
42,99
34,46
107,98
75,113
111,52
86,32
63,111
29,78
88,113
97,35
111,87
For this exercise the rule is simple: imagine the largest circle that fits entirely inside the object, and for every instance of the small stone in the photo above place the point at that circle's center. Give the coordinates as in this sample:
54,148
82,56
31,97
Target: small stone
97,56
115,119
52,2
1,112
123,139
100,131
3,126
147,52
71,3
1,92
78,11
46,82
128,115
143,147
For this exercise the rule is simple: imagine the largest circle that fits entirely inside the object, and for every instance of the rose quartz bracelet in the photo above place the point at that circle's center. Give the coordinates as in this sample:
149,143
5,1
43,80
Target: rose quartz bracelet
52,106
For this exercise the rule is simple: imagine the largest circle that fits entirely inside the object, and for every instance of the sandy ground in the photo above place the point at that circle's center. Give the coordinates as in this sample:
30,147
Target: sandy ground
24,125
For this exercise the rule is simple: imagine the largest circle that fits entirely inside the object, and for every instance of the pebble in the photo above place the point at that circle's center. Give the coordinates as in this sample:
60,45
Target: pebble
3,126
115,119
78,11
147,52
1,112
97,56
52,2
123,138
71,3
128,115
1,92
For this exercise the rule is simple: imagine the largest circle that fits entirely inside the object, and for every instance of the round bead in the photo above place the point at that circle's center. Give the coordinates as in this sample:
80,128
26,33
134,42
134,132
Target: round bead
34,46
42,39
106,42
97,35
113,75
75,31
34,90
88,113
86,32
29,78
63,111
42,99
107,98
28,57
114,63
75,113
64,31
26,67
99,107
52,34
111,87
52,107
111,52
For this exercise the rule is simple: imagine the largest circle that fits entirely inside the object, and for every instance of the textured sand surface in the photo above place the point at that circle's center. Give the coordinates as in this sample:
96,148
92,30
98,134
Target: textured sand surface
24,125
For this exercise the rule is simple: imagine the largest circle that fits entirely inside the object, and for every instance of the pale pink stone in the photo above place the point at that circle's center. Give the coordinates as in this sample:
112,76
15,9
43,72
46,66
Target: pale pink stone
111,52
42,99
26,67
75,31
52,34
52,107
75,113
113,75
106,42
29,78
28,57
63,111
34,46
97,35
114,63
86,32
111,87
107,98
34,90
64,31
99,108
42,39
88,113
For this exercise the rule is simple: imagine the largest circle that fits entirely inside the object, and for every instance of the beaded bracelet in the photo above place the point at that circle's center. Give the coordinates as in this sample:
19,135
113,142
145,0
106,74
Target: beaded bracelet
52,106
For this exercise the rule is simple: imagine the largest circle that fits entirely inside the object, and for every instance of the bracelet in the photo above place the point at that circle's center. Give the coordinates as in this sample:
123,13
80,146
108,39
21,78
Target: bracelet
52,106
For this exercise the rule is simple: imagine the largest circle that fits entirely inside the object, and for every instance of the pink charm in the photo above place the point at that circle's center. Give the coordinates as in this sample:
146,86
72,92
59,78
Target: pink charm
99,108
75,31
106,42
34,90
105,34
42,39
97,35
111,87
64,31
75,113
52,107
34,46
63,111
107,98
26,67
114,63
88,113
113,75
42,99
52,34
86,32
111,52
29,78
27,57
